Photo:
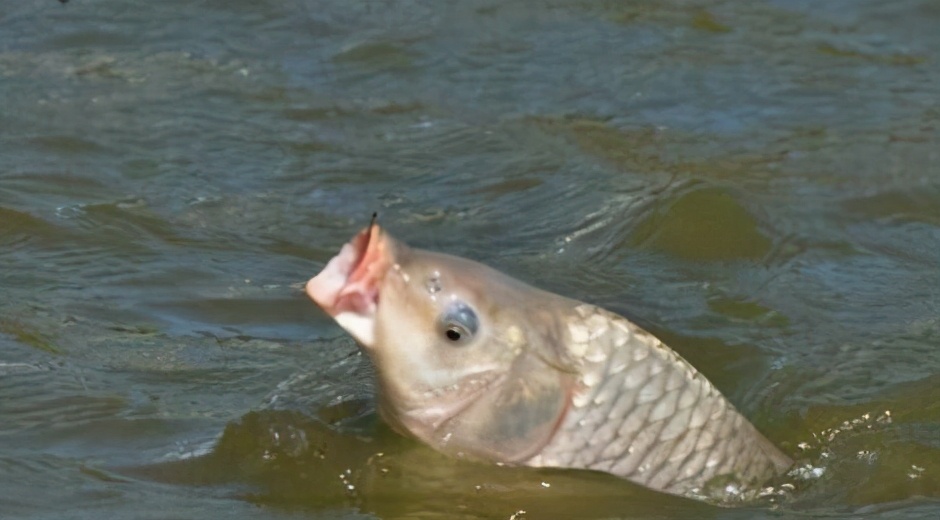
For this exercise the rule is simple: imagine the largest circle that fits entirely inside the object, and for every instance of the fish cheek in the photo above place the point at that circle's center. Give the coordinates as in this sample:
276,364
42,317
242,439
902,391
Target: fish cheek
514,420
404,329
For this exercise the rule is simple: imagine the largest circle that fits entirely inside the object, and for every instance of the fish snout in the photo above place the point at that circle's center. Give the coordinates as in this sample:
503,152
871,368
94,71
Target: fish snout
348,287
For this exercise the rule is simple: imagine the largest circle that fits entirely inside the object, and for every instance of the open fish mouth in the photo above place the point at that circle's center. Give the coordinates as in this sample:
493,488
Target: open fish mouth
348,287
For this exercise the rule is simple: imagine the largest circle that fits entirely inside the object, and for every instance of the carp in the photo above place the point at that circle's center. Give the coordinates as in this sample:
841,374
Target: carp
478,364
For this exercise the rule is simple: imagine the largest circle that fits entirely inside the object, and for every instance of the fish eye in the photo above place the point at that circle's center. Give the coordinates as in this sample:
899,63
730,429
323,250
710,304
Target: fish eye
458,323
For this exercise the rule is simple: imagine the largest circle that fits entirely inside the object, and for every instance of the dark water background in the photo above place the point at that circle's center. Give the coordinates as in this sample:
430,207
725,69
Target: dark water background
756,182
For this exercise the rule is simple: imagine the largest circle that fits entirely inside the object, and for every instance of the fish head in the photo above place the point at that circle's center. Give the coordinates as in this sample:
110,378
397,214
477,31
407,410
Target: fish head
458,346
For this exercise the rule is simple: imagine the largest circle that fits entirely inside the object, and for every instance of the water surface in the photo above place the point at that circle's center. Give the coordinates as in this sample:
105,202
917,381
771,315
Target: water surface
755,182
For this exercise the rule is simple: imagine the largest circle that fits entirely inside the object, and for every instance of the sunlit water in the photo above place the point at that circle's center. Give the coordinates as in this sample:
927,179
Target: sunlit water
755,182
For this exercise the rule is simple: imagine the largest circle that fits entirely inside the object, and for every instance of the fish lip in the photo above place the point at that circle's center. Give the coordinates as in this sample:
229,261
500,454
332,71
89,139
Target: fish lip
329,286
348,286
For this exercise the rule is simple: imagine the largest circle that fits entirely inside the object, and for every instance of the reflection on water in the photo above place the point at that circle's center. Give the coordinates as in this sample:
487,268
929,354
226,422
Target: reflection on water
757,183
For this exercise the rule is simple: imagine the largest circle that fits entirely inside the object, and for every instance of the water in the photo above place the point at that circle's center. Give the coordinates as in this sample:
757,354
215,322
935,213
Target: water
756,182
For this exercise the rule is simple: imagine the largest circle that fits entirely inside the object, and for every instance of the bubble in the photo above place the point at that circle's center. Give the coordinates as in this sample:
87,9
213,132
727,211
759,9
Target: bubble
433,283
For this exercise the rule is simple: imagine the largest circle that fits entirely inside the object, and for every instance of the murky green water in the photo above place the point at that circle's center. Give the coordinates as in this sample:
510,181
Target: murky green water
756,182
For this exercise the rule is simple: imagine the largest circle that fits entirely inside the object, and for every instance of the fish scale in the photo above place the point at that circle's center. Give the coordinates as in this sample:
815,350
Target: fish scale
674,430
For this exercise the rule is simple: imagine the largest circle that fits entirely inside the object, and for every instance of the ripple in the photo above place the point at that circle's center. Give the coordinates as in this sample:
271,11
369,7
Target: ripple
707,224
49,397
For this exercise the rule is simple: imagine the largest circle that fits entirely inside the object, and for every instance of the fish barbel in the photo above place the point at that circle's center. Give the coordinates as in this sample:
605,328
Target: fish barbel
477,364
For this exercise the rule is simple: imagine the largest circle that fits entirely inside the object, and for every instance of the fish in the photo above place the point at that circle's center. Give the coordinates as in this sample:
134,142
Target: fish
480,365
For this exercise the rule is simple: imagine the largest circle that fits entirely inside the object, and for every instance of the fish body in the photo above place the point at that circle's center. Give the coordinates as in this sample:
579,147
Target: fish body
477,364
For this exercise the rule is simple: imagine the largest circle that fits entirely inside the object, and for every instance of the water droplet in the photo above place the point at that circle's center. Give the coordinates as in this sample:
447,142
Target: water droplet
433,283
